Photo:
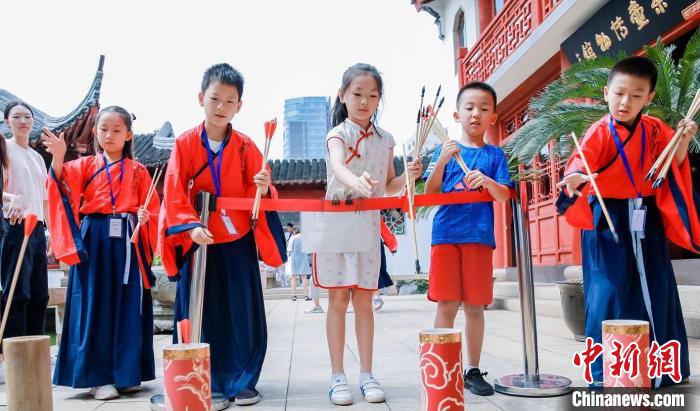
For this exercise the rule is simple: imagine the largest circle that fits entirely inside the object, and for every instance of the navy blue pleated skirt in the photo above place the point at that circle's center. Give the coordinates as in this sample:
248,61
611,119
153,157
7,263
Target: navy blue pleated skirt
612,283
384,277
233,318
108,325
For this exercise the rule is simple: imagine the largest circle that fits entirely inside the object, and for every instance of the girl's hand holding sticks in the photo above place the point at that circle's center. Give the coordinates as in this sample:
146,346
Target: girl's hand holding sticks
415,168
143,215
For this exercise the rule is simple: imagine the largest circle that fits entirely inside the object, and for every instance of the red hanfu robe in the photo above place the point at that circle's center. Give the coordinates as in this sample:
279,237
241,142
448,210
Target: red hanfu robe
84,189
189,173
388,238
675,198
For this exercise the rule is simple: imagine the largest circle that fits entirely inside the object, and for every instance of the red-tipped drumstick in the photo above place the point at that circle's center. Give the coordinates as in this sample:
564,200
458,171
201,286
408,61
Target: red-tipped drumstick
270,127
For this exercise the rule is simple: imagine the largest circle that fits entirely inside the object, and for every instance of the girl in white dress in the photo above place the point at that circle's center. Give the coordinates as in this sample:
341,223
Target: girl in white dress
360,164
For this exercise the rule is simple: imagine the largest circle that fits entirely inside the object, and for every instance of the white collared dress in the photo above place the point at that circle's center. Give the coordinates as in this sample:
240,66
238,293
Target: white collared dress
365,150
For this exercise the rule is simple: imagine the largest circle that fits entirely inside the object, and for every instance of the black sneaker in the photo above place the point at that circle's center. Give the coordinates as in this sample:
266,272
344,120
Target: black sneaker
247,397
474,380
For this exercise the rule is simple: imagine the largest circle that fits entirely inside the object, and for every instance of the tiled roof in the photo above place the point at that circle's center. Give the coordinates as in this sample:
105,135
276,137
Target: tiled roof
77,124
298,171
314,171
153,149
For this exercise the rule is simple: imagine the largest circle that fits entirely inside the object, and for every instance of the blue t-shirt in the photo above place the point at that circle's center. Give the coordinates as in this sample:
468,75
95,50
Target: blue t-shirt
473,222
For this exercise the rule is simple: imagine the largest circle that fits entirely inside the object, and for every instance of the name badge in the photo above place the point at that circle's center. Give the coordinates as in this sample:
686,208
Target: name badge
115,227
639,217
229,224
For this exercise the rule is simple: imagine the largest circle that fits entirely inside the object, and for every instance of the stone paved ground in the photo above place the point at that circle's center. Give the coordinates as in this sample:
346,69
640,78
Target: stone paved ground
297,367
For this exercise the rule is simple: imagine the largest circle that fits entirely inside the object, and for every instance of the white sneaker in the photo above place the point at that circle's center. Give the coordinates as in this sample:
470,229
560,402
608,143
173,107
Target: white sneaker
372,391
104,392
339,392
316,309
378,302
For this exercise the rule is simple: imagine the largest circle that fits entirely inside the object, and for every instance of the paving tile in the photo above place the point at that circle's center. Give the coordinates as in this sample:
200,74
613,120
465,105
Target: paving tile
297,367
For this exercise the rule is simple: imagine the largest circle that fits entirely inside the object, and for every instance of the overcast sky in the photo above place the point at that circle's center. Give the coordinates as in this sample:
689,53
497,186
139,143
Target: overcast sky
156,52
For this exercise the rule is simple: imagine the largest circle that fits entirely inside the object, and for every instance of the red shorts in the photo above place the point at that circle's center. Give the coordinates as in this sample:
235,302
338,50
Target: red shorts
461,272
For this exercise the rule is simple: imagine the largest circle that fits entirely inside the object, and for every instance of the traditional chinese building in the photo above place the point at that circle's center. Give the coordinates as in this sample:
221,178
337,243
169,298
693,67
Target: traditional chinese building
519,46
76,125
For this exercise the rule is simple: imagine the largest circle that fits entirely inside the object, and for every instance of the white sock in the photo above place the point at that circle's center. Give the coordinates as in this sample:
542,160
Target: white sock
470,367
338,379
364,377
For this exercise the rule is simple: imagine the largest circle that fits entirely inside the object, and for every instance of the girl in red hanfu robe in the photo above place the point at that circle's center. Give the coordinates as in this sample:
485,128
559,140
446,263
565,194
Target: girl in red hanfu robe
107,341
632,278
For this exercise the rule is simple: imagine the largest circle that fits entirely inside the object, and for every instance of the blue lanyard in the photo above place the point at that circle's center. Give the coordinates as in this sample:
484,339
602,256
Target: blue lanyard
215,171
621,150
109,181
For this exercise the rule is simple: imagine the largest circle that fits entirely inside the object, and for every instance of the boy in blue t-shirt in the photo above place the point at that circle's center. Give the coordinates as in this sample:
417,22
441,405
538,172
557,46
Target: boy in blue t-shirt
461,265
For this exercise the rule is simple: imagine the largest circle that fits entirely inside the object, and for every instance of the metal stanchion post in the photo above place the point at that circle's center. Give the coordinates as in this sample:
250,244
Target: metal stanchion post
531,383
204,205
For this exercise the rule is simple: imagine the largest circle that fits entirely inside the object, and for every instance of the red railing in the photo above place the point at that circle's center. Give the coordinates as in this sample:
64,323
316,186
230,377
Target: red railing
503,35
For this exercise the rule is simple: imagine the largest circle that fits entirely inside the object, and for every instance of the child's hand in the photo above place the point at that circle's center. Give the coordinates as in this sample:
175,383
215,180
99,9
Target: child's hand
689,127
363,185
262,180
476,179
56,145
449,149
15,212
143,215
201,236
415,168
573,180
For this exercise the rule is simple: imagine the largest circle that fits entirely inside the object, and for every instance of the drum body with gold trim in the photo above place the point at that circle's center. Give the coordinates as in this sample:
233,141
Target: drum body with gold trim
187,377
629,334
442,383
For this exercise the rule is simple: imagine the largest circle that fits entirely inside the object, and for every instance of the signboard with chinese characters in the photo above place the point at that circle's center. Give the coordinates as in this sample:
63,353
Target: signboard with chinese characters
626,25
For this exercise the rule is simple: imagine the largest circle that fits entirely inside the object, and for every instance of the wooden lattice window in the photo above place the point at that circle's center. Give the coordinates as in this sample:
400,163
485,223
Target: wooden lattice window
395,219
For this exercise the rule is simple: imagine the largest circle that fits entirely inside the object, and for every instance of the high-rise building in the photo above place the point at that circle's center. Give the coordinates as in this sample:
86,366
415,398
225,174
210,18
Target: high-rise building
306,123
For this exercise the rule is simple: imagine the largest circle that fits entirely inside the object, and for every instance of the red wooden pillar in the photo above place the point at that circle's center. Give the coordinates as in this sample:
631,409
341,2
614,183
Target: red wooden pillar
486,13
501,212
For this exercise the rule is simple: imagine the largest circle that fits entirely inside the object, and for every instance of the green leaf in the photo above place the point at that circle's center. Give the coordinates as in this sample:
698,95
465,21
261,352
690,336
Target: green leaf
689,72
667,81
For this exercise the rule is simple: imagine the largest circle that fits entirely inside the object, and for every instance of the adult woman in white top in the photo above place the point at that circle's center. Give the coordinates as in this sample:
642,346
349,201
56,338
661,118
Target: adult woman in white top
25,185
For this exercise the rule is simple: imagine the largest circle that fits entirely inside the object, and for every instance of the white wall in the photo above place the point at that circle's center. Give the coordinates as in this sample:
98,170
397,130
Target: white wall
403,262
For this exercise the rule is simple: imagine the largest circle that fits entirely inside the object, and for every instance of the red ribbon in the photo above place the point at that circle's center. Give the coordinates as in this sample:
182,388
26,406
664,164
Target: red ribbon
360,204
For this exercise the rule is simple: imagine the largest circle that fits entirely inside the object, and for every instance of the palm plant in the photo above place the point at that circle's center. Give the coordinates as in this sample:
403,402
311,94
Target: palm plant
575,101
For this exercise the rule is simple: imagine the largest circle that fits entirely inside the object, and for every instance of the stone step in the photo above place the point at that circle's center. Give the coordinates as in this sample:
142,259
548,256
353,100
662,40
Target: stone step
285,293
547,302
543,291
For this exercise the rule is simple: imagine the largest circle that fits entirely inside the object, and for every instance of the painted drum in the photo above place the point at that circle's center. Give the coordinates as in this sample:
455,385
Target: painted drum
442,383
187,377
625,350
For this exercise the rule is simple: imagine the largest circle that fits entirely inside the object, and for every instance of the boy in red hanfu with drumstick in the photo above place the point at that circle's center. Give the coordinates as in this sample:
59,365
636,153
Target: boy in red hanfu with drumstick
215,158
627,272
